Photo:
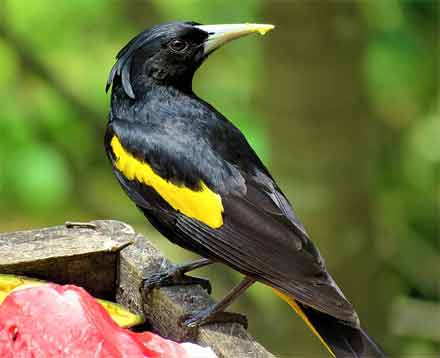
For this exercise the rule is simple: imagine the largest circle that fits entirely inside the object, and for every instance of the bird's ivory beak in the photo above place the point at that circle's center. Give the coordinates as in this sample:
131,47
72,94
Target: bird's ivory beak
220,34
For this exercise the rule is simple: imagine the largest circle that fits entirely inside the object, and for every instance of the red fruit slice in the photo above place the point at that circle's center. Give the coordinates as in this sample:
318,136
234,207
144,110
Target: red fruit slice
53,321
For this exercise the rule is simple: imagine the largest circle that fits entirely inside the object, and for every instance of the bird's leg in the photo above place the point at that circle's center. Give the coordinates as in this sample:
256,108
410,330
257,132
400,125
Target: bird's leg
175,275
215,313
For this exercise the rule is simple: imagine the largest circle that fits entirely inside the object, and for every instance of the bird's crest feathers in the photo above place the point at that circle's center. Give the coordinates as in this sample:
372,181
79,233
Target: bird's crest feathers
123,61
122,67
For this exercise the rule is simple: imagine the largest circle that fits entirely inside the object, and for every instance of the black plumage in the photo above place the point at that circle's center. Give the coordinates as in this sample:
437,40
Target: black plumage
159,120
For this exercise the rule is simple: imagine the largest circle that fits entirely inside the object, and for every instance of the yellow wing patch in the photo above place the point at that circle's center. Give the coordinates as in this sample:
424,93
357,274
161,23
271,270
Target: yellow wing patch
203,205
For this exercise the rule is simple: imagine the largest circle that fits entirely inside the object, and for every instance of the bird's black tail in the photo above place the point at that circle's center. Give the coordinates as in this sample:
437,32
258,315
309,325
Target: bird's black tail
340,339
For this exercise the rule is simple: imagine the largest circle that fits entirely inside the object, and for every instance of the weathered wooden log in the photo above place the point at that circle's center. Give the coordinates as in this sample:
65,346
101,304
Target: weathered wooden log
109,259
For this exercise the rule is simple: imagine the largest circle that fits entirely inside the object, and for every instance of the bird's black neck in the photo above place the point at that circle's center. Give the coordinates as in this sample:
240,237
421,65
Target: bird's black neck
149,94
144,84
153,82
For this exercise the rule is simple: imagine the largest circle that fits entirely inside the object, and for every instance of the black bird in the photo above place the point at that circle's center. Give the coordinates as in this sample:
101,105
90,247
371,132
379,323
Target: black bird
198,181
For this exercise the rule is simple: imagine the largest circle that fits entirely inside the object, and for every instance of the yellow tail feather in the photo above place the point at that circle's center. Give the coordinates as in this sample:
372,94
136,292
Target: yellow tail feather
292,303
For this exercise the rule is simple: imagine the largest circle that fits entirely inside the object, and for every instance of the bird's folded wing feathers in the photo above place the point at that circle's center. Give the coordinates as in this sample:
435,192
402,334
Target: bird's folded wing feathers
259,240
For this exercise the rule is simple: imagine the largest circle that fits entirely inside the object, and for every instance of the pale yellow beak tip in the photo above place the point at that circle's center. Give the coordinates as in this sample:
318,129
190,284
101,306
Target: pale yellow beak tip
262,29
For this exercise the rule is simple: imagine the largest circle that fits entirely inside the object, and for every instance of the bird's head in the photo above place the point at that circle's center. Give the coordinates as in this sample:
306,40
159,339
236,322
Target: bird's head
170,54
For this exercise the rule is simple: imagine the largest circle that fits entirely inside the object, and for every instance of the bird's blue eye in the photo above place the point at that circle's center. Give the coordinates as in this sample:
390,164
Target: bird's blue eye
178,45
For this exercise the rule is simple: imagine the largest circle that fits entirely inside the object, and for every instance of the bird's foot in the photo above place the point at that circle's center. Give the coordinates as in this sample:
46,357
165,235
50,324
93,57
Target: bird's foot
173,276
208,316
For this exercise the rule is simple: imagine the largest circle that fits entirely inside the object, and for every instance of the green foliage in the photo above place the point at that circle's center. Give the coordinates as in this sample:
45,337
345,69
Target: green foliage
52,163
41,180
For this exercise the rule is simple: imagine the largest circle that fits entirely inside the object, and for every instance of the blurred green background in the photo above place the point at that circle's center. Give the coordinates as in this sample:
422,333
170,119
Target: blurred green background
341,101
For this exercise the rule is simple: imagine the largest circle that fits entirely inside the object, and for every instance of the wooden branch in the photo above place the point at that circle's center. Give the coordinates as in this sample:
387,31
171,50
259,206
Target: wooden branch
81,256
110,261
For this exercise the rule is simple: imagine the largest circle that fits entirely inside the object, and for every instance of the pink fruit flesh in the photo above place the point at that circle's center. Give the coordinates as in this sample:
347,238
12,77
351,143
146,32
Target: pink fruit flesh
65,321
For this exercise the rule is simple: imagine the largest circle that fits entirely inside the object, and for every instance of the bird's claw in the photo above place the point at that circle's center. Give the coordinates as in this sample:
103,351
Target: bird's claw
157,279
205,316
173,277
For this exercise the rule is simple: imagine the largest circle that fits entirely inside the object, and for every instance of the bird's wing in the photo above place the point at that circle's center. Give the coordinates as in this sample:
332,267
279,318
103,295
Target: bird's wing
257,238
251,228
